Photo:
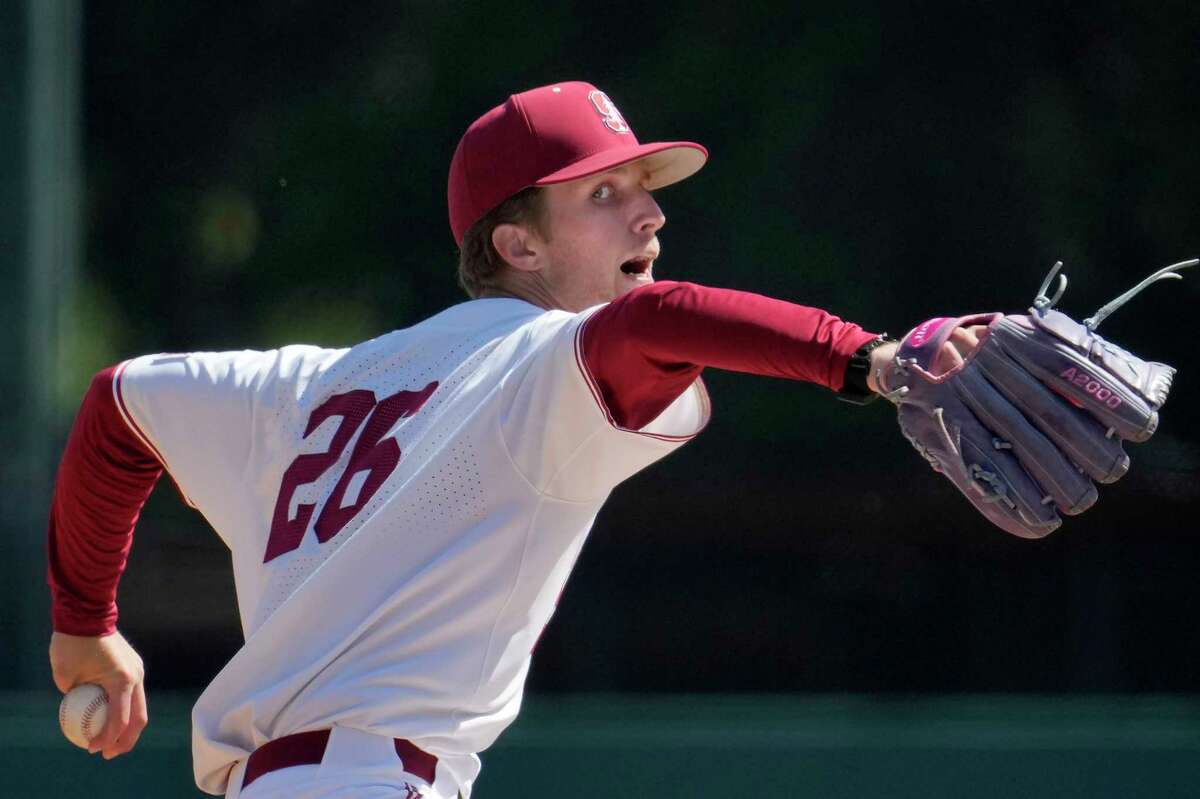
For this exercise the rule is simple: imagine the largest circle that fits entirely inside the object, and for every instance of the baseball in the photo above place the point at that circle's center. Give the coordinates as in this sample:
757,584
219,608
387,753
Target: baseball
82,713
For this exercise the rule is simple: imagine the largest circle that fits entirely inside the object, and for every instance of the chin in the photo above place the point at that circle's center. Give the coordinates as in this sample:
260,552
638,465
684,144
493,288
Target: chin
628,284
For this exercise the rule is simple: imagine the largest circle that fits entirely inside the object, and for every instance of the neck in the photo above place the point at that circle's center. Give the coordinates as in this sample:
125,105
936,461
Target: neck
522,286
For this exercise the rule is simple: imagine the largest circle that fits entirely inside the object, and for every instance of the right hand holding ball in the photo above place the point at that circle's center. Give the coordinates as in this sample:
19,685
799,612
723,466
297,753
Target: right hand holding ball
82,714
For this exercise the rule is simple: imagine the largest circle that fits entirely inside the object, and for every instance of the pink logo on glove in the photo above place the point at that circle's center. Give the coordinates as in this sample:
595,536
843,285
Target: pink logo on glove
1091,385
925,331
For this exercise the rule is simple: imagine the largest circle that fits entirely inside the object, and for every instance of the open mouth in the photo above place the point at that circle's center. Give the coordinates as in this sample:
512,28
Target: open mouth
636,266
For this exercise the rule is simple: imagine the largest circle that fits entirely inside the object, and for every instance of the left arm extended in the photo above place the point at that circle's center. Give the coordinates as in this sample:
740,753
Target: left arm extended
645,347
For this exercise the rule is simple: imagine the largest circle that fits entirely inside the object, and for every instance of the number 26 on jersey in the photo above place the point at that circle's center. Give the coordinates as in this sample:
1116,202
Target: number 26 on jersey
373,454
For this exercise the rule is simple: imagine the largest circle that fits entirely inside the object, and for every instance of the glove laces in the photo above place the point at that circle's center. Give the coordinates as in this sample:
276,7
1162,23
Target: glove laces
1043,302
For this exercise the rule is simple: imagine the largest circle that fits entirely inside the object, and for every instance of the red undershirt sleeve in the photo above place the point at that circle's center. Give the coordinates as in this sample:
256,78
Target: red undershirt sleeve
104,478
646,347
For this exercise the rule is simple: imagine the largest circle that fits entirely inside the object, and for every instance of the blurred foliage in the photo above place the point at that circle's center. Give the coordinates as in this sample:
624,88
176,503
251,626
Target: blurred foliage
96,334
264,172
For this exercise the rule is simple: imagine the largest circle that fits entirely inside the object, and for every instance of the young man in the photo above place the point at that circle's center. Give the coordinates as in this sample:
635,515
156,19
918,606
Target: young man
403,514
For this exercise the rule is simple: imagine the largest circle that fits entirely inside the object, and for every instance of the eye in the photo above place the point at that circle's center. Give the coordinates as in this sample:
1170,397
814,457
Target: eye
602,192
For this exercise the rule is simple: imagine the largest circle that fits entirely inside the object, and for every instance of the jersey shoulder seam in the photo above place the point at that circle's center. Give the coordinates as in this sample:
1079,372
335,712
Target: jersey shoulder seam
127,417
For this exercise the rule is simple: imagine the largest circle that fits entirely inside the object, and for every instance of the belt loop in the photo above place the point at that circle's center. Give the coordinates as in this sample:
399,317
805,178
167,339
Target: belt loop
415,762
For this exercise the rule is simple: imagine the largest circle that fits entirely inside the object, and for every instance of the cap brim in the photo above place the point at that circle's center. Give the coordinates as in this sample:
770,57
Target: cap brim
666,163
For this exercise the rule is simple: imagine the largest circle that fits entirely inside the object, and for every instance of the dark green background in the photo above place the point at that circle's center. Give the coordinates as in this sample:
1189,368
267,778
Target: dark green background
717,745
266,172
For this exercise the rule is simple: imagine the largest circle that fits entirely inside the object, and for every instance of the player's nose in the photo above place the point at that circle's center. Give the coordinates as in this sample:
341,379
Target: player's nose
648,218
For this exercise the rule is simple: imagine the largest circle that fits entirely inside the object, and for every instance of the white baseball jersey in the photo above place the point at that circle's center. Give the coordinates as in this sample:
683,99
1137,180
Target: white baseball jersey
402,517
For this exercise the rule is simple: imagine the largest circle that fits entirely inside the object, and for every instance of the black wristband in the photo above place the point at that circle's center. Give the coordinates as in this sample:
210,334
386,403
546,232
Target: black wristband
854,385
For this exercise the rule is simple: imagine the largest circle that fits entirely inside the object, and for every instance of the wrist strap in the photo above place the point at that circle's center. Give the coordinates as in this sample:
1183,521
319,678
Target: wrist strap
854,386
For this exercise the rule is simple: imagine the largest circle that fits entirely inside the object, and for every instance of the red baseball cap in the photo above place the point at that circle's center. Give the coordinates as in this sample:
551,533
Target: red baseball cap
547,135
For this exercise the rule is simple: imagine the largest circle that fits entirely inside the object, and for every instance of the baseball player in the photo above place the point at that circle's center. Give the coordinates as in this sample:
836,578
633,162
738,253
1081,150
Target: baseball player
403,514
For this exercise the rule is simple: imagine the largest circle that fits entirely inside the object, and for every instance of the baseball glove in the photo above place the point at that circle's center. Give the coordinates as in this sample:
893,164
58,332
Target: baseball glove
1035,413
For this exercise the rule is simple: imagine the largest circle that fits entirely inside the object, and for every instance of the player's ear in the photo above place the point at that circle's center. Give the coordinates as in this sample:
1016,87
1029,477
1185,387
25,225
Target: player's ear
517,245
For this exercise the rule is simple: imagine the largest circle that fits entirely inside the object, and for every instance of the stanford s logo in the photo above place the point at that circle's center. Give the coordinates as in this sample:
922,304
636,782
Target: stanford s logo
605,107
